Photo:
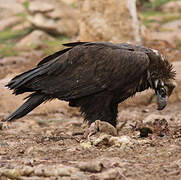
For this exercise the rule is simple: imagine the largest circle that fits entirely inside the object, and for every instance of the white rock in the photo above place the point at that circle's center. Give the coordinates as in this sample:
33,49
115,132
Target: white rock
121,141
55,17
86,145
102,139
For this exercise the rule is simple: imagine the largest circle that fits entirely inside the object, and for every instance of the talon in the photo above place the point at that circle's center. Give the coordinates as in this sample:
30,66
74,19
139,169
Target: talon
93,129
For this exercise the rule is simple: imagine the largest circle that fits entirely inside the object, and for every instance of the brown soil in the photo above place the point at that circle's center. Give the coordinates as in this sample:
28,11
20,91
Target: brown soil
55,137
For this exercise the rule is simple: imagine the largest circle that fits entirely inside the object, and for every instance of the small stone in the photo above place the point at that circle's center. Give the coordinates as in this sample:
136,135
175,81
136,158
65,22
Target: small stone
1,126
152,117
156,124
26,171
145,110
120,141
86,145
46,171
113,173
39,170
103,139
3,152
160,127
10,173
144,131
91,166
66,171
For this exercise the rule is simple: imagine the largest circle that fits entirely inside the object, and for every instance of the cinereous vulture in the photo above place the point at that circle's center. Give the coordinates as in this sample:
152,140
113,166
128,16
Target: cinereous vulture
96,77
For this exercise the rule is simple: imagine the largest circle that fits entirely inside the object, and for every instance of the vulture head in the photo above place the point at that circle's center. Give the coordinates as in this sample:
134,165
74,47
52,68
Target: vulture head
162,78
163,90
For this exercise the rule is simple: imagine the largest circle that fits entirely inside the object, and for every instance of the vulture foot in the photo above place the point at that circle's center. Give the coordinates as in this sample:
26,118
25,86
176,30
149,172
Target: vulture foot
100,126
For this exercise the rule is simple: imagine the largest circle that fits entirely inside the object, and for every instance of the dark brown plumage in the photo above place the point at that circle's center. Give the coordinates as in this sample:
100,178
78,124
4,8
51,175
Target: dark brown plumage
95,77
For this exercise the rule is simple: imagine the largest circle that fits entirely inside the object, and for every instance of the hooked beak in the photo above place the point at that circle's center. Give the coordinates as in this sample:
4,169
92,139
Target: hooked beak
161,100
161,93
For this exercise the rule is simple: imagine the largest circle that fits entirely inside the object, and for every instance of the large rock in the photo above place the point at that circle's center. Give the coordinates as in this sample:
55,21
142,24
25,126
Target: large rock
172,6
53,16
108,21
10,8
10,11
10,21
35,38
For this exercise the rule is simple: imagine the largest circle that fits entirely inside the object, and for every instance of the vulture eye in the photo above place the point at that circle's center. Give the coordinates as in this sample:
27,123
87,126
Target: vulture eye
162,92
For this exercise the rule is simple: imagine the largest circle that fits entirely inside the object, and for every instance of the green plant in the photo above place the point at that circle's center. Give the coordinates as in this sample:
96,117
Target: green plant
26,4
8,34
8,50
156,4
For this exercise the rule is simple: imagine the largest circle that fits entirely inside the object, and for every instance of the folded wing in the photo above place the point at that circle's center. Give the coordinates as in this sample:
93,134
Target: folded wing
83,70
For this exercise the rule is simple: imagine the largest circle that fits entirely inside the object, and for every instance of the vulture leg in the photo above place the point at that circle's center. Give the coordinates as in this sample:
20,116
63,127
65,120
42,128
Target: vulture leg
100,107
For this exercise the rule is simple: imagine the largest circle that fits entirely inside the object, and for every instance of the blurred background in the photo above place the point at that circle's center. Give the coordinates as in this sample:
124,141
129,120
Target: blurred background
32,29
30,25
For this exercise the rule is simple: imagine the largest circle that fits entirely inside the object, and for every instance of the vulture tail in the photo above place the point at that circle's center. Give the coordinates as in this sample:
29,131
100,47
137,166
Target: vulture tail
33,101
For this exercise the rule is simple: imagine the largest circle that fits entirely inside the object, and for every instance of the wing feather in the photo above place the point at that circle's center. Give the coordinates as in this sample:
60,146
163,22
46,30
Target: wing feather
90,69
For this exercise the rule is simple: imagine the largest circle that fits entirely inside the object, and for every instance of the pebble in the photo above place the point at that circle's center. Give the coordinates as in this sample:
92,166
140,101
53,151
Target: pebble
121,141
86,145
91,166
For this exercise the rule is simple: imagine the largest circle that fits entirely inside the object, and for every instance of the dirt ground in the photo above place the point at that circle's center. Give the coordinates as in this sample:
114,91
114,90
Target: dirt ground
51,145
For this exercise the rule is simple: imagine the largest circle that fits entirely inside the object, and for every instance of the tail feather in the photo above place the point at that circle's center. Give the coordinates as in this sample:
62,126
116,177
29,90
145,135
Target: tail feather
33,101
23,78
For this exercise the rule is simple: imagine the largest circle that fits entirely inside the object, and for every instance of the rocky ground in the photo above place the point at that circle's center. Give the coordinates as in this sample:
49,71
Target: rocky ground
49,143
